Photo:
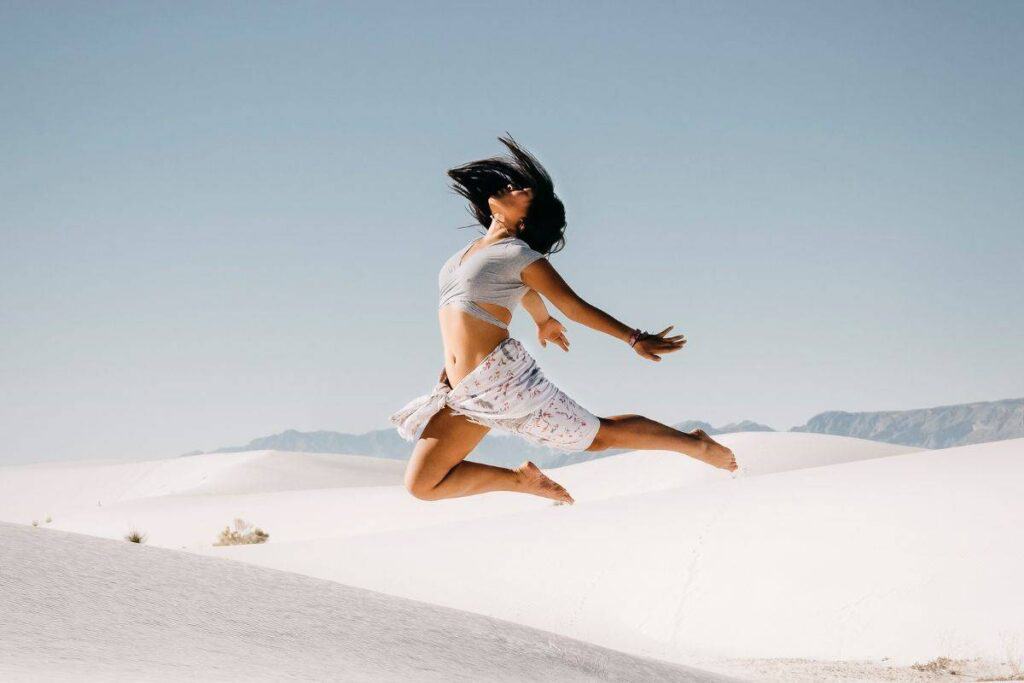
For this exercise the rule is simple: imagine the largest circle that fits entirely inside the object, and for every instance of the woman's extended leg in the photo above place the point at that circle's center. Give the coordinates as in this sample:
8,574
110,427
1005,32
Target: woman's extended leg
640,433
438,469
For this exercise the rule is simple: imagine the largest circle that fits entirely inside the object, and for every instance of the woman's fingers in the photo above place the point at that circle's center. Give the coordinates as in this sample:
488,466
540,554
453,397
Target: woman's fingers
661,335
655,348
651,345
647,353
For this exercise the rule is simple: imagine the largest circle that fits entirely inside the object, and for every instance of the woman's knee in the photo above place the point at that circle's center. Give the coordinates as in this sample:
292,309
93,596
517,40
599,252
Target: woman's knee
423,476
416,480
421,491
419,486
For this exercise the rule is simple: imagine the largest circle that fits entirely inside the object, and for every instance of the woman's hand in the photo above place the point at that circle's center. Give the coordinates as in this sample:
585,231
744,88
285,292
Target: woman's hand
651,345
551,330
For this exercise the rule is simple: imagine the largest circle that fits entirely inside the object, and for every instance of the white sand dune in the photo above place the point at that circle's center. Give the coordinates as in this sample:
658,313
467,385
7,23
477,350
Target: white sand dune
757,453
72,485
823,548
908,557
199,495
78,608
193,521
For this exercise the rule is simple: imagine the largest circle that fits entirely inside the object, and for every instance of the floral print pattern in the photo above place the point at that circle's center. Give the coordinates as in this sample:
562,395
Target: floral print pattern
560,423
507,391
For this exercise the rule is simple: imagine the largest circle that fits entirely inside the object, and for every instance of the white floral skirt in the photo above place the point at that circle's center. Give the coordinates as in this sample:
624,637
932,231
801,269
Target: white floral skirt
507,391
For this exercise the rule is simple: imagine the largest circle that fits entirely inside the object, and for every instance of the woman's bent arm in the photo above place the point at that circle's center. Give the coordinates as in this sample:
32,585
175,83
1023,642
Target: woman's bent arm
540,276
534,305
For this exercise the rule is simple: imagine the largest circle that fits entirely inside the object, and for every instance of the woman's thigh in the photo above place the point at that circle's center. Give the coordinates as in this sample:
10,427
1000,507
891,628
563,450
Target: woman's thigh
560,423
445,442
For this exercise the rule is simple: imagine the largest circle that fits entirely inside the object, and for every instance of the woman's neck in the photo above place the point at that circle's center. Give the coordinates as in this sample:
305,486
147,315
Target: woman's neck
499,229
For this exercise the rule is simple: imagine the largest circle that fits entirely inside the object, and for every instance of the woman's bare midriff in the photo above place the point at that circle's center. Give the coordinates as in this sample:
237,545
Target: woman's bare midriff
468,339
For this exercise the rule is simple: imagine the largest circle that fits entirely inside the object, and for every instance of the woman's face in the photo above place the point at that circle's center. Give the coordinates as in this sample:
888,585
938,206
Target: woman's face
513,203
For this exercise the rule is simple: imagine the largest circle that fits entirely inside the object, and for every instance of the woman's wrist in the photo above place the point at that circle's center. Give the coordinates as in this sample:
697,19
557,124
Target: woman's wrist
634,337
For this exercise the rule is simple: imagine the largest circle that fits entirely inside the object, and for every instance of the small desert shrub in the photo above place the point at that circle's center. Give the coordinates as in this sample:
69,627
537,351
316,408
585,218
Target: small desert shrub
135,536
35,522
243,534
940,665
49,519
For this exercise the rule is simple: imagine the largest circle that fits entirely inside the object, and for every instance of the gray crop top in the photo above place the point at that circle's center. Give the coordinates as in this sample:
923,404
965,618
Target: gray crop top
490,275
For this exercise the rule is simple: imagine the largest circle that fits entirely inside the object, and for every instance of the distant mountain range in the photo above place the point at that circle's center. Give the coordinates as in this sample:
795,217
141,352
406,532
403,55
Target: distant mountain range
941,427
495,449
744,426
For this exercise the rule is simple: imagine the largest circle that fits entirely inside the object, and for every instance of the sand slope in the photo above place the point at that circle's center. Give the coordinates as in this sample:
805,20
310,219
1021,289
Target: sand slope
81,608
185,502
757,453
908,557
823,548
27,490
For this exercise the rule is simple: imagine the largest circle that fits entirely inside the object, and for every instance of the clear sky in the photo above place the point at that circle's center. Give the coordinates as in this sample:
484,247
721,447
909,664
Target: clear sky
223,220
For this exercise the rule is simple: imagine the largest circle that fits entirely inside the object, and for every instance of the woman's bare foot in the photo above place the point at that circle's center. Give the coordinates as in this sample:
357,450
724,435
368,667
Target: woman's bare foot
715,454
535,482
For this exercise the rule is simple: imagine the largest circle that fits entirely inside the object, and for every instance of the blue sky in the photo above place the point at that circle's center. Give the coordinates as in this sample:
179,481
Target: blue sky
222,220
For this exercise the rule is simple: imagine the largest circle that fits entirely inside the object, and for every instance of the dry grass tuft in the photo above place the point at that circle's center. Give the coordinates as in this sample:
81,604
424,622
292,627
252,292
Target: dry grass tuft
942,665
243,534
135,536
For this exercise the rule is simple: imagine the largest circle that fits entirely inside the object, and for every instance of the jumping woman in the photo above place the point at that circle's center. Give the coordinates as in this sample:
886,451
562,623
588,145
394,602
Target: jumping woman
489,380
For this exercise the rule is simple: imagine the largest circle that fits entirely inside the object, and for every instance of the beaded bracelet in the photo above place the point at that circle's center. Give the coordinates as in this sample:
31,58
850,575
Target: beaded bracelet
635,337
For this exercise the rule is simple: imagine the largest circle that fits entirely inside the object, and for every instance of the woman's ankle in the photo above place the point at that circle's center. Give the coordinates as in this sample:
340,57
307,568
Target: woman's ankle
696,447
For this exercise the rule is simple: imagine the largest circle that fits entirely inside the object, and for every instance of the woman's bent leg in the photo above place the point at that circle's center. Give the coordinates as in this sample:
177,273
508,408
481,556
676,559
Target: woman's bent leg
438,469
637,432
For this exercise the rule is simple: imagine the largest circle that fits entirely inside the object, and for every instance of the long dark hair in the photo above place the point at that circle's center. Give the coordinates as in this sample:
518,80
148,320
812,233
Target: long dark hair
544,226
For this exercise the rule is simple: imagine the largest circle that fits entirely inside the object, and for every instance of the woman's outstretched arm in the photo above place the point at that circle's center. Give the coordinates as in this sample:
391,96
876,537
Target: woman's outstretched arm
542,277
